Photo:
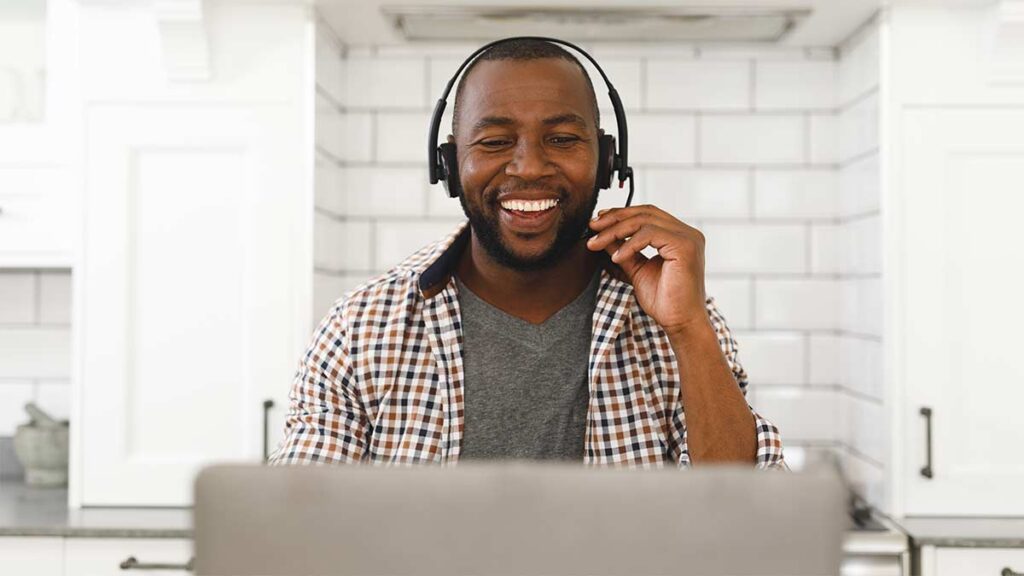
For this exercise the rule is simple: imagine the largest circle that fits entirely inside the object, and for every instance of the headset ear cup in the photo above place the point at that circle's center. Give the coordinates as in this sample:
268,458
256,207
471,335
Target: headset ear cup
450,169
605,160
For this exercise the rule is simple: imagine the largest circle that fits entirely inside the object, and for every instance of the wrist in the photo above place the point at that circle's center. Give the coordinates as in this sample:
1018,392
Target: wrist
697,328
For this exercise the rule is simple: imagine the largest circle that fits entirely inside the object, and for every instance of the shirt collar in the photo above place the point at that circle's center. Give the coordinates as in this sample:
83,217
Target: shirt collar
434,270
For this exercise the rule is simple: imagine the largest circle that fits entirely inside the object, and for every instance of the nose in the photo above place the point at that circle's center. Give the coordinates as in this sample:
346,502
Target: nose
529,161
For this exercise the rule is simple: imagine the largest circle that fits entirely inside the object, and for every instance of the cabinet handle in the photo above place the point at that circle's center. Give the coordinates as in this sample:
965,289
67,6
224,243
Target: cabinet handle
131,563
267,405
926,471
1009,572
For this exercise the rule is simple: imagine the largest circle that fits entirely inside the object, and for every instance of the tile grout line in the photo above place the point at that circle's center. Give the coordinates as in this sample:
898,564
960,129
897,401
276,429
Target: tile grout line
807,139
808,256
37,304
807,358
427,61
643,84
751,281
696,140
752,74
753,302
752,193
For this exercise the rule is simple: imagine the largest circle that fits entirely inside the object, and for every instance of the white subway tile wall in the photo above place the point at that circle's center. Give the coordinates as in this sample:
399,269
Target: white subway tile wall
796,85
698,84
35,344
769,139
752,146
803,194
859,339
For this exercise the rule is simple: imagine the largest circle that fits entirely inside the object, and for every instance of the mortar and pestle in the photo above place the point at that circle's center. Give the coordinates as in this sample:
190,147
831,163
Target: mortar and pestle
42,447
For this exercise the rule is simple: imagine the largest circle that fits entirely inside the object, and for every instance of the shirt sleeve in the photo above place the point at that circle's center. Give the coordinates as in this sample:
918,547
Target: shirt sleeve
326,420
769,441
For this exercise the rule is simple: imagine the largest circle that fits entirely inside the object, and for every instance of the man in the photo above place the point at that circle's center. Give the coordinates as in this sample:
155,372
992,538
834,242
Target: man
515,338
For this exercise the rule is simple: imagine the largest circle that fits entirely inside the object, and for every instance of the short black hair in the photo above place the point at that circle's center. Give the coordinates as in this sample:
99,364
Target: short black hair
523,49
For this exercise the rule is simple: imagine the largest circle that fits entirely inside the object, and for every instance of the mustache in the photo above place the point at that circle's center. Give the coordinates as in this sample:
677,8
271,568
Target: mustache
518,185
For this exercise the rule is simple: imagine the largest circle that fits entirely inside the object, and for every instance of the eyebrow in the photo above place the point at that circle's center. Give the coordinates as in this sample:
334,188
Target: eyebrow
488,121
568,118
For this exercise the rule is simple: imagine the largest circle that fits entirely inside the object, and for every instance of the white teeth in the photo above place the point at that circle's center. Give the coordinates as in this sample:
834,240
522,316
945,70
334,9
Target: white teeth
529,205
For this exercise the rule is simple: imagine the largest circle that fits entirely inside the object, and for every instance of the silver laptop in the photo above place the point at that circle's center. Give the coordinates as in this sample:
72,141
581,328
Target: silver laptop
522,519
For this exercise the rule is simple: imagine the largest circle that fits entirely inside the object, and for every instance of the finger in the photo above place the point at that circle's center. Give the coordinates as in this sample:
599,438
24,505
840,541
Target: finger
610,216
629,259
635,244
620,231
627,227
627,266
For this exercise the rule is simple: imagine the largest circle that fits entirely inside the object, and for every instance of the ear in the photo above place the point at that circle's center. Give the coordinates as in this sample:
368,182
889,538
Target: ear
451,139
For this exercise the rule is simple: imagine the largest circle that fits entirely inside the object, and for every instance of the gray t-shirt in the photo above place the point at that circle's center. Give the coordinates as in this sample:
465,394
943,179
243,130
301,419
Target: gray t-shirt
525,389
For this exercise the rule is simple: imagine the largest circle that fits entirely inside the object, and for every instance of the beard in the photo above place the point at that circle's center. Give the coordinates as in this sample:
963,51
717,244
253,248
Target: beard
487,227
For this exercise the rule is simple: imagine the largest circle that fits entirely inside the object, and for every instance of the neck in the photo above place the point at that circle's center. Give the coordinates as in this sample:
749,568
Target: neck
533,295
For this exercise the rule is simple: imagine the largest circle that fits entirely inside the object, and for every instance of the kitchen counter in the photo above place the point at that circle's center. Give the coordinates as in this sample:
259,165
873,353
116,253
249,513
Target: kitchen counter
28,511
965,532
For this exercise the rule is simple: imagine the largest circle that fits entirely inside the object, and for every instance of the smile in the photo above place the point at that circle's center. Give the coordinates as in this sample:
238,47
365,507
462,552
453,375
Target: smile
529,215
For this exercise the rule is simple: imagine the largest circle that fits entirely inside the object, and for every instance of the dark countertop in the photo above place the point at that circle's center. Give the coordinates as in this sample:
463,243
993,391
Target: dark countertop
27,511
966,532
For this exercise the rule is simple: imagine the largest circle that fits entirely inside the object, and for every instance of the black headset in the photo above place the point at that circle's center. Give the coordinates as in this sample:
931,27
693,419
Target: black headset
443,161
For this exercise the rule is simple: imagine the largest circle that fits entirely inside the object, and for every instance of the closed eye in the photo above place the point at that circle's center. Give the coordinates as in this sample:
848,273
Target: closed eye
494,143
563,140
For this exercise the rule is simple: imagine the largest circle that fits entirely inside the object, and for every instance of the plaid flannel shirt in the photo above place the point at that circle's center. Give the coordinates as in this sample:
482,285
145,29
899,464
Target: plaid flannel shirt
382,381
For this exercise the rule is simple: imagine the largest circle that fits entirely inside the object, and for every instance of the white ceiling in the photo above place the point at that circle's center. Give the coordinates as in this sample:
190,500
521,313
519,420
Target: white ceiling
360,21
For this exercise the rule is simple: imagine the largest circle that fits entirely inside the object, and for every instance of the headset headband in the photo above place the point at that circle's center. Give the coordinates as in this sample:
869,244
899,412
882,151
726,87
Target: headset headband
621,163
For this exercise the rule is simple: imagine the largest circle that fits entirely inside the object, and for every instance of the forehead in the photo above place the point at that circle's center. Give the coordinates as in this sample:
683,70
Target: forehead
519,87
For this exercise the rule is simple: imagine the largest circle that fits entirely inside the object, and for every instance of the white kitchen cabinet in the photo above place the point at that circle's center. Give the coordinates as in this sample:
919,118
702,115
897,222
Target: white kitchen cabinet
195,277
952,171
949,561
31,556
105,556
189,299
36,218
963,176
38,188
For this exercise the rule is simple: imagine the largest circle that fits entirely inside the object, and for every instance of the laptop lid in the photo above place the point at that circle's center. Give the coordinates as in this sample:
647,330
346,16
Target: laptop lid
516,519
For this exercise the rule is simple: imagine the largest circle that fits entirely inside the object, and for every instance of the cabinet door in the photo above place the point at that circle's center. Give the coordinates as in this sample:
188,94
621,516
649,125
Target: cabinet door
192,283
37,223
31,556
960,310
975,561
105,556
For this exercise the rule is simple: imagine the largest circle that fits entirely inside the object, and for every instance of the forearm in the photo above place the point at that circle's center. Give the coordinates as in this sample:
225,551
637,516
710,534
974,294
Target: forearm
719,424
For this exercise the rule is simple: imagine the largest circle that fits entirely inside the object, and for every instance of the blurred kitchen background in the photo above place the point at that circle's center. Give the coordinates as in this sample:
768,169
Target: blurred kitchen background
187,185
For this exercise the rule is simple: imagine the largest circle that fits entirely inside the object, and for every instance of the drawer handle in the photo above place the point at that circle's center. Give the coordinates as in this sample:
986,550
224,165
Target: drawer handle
1009,572
267,405
926,471
131,563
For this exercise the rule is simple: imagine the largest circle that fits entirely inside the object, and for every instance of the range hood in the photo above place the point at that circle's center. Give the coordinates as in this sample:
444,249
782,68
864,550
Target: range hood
654,24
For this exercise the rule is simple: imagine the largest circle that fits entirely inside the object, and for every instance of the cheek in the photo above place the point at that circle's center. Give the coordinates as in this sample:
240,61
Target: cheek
583,176
477,172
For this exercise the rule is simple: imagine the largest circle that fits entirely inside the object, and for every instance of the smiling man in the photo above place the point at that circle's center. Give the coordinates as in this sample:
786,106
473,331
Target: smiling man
514,338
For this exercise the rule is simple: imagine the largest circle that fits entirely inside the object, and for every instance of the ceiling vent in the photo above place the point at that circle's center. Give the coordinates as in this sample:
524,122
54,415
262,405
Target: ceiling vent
691,24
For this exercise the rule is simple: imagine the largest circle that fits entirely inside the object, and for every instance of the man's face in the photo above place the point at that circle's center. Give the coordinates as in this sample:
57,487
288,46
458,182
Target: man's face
526,134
